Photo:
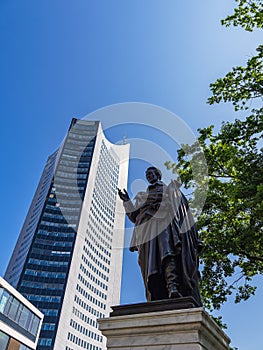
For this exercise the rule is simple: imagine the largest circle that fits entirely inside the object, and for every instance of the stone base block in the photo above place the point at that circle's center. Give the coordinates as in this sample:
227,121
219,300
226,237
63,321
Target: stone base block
185,329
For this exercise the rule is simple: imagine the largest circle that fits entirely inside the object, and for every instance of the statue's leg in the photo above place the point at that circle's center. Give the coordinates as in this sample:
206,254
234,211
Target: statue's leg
171,277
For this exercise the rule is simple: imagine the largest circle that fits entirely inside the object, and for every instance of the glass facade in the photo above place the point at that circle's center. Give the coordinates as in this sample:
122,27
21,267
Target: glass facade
69,269
9,343
17,261
44,276
18,319
17,315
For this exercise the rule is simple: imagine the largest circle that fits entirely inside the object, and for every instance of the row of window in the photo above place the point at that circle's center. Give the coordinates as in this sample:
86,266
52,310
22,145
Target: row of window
85,331
95,260
78,145
95,214
70,168
9,343
49,312
73,176
85,143
55,209
84,305
39,203
77,149
82,156
96,251
78,132
23,250
16,311
88,141
44,298
100,227
41,251
91,277
74,163
34,217
101,191
79,184
48,326
109,157
45,341
107,210
31,226
98,236
62,186
45,274
95,229
56,234
94,269
104,185
47,217
72,155
18,265
67,203
106,197
112,175
91,285
103,213
55,224
82,343
60,253
52,244
107,163
84,317
48,262
86,126
30,233
39,285
89,297
60,216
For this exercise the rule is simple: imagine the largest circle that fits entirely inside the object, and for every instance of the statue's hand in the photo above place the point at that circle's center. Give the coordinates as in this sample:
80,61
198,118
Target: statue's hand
123,195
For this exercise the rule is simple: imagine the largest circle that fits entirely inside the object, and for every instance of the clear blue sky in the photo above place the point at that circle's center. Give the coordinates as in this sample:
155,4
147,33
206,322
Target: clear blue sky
61,59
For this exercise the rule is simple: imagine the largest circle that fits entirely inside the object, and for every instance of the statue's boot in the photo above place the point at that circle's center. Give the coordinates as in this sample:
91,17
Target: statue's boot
171,277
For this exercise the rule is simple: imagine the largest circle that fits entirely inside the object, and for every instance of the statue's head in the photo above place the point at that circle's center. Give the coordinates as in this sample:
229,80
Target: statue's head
153,174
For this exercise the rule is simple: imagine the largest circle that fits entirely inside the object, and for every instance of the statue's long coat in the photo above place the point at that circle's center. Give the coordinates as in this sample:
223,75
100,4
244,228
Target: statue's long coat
164,227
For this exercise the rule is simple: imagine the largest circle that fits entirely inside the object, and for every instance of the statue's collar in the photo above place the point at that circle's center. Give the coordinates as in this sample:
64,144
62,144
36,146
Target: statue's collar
157,183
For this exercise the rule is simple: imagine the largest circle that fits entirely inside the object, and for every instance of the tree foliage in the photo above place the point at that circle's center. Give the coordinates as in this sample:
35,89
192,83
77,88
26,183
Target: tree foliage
232,218
248,14
241,84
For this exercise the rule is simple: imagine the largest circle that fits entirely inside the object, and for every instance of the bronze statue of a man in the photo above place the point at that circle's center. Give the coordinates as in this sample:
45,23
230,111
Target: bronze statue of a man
166,239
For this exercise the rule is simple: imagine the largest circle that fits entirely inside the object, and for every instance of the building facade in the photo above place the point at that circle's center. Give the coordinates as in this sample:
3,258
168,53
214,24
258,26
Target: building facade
20,321
68,256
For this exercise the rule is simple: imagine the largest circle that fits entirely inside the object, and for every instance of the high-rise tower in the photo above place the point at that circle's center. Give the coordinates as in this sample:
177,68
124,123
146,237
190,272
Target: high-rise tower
68,257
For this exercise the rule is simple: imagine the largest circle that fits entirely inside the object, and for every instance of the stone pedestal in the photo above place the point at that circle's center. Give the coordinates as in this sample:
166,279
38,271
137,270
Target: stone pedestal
169,329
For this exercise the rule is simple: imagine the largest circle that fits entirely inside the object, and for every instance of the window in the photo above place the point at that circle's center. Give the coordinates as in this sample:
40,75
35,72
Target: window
34,325
48,326
45,341
3,299
4,338
24,317
13,308
18,312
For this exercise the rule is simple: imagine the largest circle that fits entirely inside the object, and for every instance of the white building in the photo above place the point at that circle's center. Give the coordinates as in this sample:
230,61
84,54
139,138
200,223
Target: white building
20,321
68,257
